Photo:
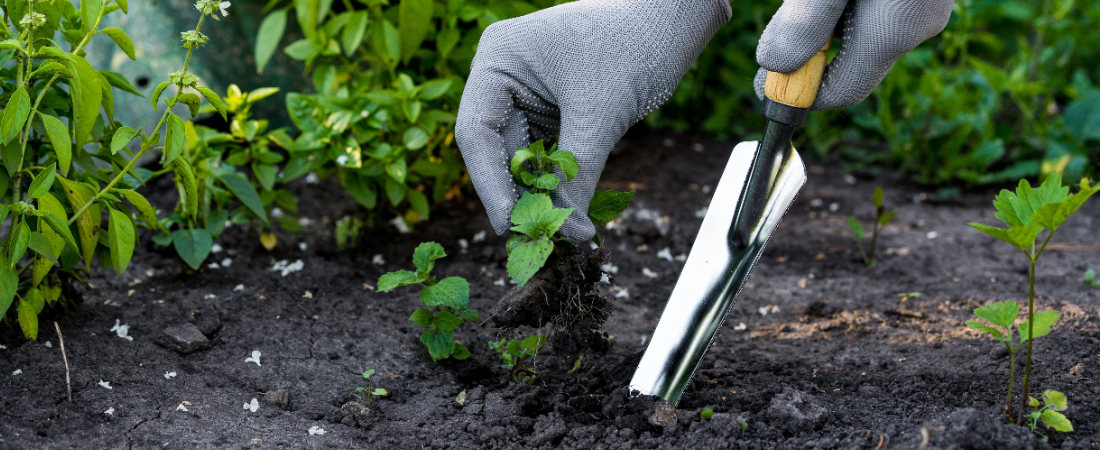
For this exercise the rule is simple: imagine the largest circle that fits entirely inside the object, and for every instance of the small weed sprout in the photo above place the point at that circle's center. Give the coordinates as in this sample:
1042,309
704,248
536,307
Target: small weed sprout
1050,413
1090,278
368,393
882,218
706,414
449,297
907,295
744,424
515,352
1028,212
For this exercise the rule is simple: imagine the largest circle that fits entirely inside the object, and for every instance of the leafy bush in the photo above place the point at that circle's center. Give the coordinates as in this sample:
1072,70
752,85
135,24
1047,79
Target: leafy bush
450,297
40,147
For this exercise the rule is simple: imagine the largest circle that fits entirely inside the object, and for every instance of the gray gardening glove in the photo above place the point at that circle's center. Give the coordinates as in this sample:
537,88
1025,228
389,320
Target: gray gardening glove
586,70
875,34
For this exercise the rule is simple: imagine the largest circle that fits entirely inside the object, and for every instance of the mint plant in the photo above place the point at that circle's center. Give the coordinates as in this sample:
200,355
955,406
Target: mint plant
515,352
368,393
446,302
1050,413
882,218
1028,213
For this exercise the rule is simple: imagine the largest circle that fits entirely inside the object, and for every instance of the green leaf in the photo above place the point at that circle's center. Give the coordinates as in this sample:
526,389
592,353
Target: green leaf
415,19
876,198
55,222
1000,313
354,31
192,101
59,137
49,67
87,224
15,114
361,190
395,191
424,258
1055,400
527,258
983,328
122,40
1016,209
416,138
441,344
175,140
42,182
148,213
28,320
397,170
120,236
461,352
41,245
193,245
214,100
50,52
19,240
9,284
419,203
157,91
12,156
856,227
1032,402
185,175
243,190
706,414
89,12
547,181
119,80
386,43
522,155
267,40
566,162
1056,420
435,88
470,314
397,279
423,317
446,40
607,204
49,206
379,392
1052,215
1020,236
453,292
1043,321
887,218
447,321
529,208
533,342
87,95
122,137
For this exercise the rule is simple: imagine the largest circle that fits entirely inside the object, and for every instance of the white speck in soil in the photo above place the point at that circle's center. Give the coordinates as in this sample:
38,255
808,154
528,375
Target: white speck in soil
122,330
741,327
240,287
681,257
463,244
849,179
110,411
106,384
312,178
610,268
316,430
48,344
479,237
17,372
623,293
209,296
401,225
665,253
254,358
253,406
213,249
286,269
649,273
499,282
227,262
169,375
377,260
932,235
213,266
308,294
701,213
305,221
834,206
816,203
303,246
605,279
180,407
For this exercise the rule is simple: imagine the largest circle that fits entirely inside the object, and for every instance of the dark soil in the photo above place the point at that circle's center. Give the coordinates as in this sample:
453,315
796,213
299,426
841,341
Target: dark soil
836,360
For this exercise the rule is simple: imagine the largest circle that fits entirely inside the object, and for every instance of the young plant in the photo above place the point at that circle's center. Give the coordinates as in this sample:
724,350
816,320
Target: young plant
1028,213
1050,413
882,218
1003,315
446,302
1090,278
515,352
368,393
907,295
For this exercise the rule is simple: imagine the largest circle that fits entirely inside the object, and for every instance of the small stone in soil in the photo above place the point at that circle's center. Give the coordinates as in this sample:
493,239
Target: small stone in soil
663,414
185,338
278,397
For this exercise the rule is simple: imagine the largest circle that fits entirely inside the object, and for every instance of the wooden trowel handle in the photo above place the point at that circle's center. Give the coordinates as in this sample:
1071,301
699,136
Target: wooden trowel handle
798,88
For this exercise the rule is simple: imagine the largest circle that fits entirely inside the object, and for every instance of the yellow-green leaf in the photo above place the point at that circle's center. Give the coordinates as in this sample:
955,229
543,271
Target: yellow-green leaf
15,114
87,95
87,224
120,236
214,100
62,144
28,320
175,140
122,137
122,40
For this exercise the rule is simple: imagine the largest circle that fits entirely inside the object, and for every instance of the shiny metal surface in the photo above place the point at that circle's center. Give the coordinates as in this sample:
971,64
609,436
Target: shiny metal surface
735,230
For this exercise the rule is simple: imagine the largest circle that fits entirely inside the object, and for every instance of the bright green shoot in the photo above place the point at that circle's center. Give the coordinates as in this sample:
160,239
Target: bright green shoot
1050,413
1029,212
446,302
706,414
515,352
368,393
533,167
1090,278
882,218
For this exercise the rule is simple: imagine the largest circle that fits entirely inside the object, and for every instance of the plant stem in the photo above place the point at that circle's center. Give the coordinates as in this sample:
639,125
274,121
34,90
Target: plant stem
1030,336
874,238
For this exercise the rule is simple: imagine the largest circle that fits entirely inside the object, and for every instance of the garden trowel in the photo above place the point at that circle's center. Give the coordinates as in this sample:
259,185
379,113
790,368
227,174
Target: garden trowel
758,185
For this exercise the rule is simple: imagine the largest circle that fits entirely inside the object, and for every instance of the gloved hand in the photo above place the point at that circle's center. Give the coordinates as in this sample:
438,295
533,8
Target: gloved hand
875,33
586,70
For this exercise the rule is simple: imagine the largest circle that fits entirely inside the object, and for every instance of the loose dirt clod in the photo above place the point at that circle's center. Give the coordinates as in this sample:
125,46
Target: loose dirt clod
563,294
185,338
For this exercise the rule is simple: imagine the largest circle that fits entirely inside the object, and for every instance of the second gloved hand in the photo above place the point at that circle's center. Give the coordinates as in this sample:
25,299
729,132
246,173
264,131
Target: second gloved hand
586,71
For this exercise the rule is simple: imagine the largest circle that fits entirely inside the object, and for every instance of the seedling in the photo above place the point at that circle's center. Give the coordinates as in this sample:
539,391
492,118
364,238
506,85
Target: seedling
536,220
882,218
706,414
1049,413
1090,278
368,393
515,352
1028,212
908,295
449,297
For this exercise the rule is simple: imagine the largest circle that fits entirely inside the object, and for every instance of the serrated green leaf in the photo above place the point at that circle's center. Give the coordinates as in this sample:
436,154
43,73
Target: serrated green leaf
15,114
447,321
1055,400
1056,420
397,279
1020,236
214,100
526,213
157,91
566,162
193,246
1043,321
441,344
243,190
59,137
122,137
424,258
121,238
547,181
453,292
122,40
1000,313
1052,215
422,316
607,204
983,328
527,258
42,182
